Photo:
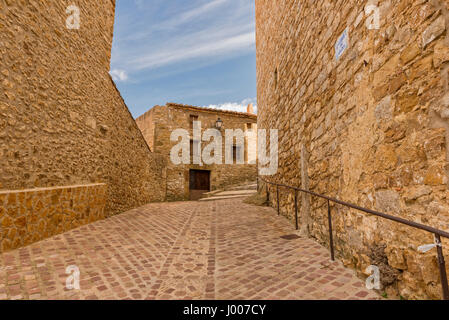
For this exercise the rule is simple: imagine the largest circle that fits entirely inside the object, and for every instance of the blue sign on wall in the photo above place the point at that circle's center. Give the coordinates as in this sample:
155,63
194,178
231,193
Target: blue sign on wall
342,44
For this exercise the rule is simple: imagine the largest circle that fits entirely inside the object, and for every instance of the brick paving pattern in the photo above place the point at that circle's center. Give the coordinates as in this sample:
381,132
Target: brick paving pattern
185,250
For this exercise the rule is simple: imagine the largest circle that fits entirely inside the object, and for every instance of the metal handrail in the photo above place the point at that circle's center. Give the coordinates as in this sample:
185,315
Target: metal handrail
437,233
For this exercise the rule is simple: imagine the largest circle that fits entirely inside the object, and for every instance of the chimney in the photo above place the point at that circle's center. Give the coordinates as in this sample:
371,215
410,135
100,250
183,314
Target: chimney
250,109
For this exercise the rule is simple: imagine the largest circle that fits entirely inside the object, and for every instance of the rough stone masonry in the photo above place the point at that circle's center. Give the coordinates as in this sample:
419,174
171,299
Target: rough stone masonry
66,134
359,92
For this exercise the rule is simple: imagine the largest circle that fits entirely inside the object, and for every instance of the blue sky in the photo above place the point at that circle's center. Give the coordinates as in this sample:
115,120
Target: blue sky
197,52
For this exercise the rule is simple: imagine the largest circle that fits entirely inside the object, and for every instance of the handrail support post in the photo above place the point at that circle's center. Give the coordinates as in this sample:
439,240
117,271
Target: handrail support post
277,195
296,209
442,265
331,240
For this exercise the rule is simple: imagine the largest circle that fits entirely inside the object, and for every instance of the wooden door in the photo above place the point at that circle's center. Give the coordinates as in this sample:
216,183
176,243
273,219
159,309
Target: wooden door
199,183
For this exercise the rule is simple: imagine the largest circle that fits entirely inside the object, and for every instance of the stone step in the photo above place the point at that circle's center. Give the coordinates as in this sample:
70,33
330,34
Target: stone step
235,192
246,187
252,186
229,195
211,193
223,197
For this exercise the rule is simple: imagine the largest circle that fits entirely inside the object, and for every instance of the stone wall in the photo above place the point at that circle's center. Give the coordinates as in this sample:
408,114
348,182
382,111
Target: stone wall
369,127
31,215
157,125
146,125
62,120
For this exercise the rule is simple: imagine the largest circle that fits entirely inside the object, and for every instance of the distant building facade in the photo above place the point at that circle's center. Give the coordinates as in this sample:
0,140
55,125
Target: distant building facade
190,181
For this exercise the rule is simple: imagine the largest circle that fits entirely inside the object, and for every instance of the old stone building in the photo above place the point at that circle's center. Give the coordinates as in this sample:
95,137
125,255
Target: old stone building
70,151
190,180
359,92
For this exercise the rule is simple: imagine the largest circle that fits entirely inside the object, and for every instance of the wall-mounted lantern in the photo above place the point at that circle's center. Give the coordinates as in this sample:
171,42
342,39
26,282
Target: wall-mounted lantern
219,124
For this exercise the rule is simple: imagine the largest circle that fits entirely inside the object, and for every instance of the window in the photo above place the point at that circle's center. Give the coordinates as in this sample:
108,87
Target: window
194,150
236,154
249,126
193,118
191,151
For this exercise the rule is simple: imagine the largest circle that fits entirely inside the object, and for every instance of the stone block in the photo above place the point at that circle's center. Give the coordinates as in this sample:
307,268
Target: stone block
433,31
384,110
387,201
410,53
441,54
385,157
435,175
416,192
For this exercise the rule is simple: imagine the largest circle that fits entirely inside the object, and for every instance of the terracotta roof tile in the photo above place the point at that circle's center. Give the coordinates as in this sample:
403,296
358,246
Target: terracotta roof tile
201,109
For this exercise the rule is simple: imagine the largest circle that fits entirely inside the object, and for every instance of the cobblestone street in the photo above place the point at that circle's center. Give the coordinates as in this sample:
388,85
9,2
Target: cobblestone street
185,250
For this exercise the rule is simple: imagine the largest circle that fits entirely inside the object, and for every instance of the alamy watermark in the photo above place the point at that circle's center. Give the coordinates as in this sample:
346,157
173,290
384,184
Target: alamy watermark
73,280
190,151
73,21
372,12
373,281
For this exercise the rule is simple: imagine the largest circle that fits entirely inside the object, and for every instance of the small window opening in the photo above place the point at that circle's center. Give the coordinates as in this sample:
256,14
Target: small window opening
193,118
236,156
193,150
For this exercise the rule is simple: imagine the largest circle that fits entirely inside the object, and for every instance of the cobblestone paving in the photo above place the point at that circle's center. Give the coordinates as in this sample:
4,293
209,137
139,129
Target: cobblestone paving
185,250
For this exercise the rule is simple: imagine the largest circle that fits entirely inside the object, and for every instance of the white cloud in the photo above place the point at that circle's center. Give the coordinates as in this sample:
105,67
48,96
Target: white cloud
191,14
196,49
235,106
119,75
206,30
